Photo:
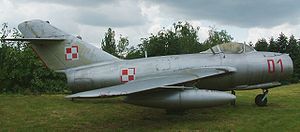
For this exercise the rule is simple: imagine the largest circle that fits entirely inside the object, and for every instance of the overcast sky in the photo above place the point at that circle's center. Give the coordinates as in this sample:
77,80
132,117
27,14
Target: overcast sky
245,20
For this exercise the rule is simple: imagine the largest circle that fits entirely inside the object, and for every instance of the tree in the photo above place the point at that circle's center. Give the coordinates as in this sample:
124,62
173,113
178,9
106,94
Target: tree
278,45
156,45
108,44
216,37
293,49
122,47
180,39
272,45
261,45
134,53
119,49
187,37
281,43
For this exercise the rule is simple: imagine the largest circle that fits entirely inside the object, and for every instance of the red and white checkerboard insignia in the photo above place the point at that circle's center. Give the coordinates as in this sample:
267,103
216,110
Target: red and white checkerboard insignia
71,52
127,74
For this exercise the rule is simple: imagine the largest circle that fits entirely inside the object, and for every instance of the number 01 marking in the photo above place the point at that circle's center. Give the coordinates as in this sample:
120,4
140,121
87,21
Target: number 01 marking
271,65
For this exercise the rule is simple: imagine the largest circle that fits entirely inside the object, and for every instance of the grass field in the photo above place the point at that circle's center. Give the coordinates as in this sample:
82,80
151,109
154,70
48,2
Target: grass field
54,113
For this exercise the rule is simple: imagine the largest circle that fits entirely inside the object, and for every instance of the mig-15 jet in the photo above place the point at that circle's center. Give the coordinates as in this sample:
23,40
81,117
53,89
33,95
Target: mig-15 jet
175,82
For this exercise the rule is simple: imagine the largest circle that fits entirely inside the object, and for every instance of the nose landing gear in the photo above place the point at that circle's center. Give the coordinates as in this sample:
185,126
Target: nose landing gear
261,99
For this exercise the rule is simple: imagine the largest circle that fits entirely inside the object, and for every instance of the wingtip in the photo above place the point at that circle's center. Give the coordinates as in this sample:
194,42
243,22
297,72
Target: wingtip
69,96
72,96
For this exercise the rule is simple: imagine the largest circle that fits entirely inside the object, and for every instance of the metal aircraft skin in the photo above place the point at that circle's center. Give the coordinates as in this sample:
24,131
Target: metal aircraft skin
169,82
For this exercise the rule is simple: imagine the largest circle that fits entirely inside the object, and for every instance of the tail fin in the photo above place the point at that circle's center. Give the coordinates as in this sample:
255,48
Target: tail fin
59,50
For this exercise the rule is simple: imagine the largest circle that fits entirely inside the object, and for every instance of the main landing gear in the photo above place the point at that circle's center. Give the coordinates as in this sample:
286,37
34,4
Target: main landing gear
261,99
232,102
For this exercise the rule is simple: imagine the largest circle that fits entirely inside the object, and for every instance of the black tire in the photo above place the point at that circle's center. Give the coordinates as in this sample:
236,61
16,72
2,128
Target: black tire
259,102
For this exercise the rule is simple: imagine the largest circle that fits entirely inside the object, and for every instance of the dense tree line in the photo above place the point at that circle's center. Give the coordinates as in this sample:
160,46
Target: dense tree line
22,72
182,38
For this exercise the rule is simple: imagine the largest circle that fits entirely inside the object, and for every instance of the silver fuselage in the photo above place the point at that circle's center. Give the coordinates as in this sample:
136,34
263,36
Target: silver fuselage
251,68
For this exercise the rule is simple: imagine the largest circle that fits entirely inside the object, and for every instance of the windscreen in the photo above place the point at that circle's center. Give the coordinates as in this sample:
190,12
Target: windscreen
230,48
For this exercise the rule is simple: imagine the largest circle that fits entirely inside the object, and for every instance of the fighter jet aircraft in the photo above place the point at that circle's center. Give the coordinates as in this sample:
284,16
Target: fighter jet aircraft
168,82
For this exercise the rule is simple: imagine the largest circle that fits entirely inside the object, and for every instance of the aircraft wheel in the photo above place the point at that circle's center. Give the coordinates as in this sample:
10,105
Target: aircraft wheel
261,100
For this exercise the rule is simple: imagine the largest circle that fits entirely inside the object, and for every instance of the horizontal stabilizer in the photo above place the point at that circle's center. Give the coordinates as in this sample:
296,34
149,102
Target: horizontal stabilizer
34,39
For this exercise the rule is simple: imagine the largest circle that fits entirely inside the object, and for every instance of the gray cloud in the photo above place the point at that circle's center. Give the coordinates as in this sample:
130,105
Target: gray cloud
249,13
77,3
108,13
110,19
125,13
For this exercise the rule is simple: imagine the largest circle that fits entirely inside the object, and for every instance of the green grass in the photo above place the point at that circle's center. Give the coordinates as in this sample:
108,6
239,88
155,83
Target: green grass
54,113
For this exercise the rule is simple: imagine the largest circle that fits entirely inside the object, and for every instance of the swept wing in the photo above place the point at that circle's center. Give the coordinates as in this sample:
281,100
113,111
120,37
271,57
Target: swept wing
155,81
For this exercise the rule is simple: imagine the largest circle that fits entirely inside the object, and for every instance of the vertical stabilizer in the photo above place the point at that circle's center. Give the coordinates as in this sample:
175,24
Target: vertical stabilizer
65,51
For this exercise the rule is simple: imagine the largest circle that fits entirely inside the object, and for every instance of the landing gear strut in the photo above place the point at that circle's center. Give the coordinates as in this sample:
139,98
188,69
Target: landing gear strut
261,99
233,102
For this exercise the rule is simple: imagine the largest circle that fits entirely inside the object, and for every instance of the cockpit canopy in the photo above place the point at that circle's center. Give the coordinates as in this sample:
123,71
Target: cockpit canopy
230,48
